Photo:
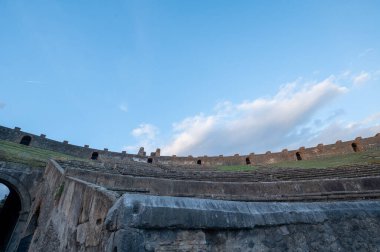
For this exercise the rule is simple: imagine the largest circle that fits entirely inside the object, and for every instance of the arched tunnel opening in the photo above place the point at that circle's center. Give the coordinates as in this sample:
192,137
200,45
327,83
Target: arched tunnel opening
354,147
94,155
10,207
25,140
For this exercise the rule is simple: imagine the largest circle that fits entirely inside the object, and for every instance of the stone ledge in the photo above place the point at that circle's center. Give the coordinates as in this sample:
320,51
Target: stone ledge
142,211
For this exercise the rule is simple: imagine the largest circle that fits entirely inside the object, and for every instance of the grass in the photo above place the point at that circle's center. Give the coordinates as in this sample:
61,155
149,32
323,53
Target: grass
237,168
366,157
36,157
59,191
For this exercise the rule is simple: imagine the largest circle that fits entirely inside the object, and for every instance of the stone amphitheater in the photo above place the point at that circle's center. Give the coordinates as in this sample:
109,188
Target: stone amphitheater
70,198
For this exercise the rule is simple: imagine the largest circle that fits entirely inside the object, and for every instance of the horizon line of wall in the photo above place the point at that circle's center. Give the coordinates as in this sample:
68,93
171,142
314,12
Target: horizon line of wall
359,144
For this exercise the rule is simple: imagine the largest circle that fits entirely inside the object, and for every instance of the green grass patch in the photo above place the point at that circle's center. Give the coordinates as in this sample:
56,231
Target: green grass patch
36,157
59,191
237,168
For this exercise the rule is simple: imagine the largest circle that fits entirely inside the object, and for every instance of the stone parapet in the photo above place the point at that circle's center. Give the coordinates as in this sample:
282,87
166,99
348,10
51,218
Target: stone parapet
214,225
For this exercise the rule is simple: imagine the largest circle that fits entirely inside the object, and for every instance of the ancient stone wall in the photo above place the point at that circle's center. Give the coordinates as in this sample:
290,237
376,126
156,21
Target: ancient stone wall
129,204
320,151
71,214
81,210
16,135
187,224
291,189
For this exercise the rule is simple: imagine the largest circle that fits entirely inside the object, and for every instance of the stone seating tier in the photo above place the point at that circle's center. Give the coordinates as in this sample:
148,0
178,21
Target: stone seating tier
263,174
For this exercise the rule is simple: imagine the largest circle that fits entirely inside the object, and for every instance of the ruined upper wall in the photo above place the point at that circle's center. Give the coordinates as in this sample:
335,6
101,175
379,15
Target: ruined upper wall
320,151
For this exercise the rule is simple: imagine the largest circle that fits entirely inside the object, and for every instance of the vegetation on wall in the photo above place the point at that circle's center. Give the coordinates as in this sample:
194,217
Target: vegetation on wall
36,157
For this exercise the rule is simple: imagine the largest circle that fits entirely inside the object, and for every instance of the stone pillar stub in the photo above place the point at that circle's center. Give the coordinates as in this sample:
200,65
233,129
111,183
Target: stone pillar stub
141,152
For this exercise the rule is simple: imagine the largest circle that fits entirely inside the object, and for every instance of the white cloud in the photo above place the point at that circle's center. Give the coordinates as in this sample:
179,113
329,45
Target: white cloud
344,75
123,107
131,148
341,130
145,135
145,130
361,78
256,125
34,82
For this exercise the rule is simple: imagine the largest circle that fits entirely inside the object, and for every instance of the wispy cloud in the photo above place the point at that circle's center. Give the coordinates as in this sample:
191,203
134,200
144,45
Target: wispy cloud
258,125
344,75
340,130
145,135
365,52
145,130
123,107
35,82
361,78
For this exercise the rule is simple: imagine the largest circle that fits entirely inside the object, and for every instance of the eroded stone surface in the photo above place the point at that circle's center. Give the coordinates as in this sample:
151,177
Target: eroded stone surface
150,223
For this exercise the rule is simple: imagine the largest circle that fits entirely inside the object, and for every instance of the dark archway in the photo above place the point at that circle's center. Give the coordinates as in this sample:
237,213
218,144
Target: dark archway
298,155
21,195
9,215
247,161
355,147
199,162
94,156
150,160
25,140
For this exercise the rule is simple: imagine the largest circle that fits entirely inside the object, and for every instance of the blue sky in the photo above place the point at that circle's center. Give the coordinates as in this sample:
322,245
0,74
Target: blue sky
191,77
